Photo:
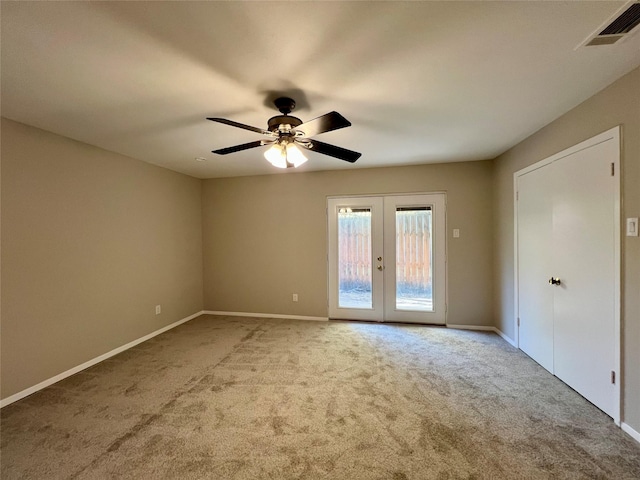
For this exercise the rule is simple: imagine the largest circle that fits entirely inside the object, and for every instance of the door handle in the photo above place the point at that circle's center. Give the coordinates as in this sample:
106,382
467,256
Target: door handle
554,281
380,267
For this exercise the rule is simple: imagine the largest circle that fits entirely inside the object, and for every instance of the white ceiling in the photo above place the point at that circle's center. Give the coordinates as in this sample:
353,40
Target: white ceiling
421,82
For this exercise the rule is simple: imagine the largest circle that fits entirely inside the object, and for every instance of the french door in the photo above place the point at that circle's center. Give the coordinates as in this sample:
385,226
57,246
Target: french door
387,258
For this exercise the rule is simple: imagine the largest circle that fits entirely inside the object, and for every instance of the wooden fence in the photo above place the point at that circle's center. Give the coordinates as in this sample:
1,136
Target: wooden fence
413,253
354,251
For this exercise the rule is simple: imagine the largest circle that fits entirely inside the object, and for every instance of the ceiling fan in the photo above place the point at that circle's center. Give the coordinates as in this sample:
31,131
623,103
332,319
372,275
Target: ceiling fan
287,133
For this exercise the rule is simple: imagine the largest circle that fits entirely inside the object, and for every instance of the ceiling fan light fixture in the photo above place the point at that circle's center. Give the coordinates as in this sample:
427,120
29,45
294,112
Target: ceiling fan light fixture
285,155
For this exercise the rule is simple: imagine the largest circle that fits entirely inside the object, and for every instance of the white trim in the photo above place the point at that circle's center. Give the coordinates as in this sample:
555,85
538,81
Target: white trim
616,133
506,338
266,315
633,433
516,274
397,194
484,328
61,376
611,134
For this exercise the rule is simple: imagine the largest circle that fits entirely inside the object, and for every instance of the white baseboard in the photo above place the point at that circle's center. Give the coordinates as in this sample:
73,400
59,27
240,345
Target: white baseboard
266,315
25,393
633,433
506,338
484,328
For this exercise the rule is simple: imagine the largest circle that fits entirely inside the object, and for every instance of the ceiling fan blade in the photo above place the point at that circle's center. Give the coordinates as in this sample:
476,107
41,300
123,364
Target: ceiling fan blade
331,150
241,125
244,146
322,124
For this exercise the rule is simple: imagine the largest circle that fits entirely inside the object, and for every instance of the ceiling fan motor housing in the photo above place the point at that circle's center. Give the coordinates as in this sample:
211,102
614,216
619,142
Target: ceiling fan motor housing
278,123
275,123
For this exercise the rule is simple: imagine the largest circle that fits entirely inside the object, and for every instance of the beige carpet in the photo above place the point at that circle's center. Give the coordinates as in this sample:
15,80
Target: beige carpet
244,398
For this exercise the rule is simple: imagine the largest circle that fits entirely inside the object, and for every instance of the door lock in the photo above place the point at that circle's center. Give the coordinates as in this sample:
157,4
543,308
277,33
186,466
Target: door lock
554,281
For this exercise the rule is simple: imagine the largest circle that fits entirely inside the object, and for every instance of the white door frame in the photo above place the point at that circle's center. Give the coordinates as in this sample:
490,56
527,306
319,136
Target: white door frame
614,134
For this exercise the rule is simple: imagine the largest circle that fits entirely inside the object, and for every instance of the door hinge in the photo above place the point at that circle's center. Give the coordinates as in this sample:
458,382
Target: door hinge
517,196
613,169
613,377
518,321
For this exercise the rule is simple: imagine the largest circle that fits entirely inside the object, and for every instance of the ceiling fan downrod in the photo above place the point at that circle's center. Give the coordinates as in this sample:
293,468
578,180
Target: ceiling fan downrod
285,105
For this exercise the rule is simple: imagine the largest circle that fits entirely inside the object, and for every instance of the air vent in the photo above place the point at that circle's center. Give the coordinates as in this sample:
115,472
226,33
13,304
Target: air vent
602,40
620,26
626,22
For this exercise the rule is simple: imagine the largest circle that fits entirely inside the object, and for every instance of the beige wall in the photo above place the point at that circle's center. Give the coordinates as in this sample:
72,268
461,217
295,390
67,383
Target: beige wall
91,242
618,104
265,237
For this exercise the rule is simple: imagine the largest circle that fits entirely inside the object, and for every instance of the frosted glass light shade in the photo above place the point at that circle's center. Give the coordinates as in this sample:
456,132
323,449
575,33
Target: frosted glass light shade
276,156
283,157
294,155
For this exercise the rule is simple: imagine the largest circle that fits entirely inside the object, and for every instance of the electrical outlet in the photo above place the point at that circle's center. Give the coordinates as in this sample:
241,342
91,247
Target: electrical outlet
295,297
158,309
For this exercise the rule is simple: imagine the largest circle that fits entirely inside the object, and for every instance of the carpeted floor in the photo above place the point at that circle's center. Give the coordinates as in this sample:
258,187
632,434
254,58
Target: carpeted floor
244,398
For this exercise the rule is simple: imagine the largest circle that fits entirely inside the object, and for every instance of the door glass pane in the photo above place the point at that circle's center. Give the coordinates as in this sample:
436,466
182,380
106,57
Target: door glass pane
413,259
354,258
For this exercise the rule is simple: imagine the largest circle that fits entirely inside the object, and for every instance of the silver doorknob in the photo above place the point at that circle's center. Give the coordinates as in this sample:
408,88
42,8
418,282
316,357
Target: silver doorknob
554,281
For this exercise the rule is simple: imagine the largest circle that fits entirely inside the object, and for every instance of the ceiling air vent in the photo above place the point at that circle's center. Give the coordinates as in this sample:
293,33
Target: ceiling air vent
615,29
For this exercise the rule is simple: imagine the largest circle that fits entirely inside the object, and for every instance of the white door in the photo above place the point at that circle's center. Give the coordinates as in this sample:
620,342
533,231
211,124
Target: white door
355,243
568,268
535,297
584,218
387,258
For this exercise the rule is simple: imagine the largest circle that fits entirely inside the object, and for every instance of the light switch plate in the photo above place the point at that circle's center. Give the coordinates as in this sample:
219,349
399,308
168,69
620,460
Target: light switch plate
632,227
456,233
